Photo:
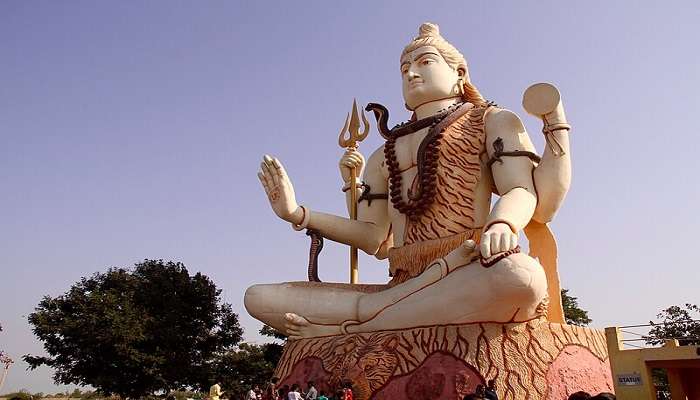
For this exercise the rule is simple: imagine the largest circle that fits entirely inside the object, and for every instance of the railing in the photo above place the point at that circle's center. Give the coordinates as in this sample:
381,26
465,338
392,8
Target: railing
637,336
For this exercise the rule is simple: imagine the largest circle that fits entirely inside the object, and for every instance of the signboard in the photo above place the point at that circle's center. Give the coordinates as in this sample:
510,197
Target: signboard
629,379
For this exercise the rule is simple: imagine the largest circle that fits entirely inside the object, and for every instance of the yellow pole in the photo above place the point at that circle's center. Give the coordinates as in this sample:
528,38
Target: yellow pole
354,270
352,128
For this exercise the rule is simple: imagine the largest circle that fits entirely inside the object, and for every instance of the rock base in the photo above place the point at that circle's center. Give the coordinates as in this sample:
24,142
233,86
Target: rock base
532,360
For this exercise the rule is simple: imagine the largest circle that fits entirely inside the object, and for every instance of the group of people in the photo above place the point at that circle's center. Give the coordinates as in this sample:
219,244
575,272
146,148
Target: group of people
587,396
488,392
274,392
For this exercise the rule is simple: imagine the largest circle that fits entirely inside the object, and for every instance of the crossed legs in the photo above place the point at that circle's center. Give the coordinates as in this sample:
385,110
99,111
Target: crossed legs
509,291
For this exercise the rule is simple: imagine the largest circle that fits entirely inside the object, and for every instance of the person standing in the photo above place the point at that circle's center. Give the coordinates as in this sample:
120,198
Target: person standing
477,395
311,393
250,394
215,391
270,392
580,395
294,393
347,391
490,392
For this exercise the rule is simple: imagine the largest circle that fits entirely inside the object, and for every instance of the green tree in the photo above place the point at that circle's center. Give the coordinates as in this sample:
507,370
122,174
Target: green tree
273,351
2,354
21,395
5,362
676,323
573,314
245,367
134,332
267,330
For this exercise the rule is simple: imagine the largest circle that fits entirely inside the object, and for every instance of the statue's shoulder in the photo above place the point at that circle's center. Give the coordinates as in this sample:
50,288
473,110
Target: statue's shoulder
502,121
377,161
377,155
497,116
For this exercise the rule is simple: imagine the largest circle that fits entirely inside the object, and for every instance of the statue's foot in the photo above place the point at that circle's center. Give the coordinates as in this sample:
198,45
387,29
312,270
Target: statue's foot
299,327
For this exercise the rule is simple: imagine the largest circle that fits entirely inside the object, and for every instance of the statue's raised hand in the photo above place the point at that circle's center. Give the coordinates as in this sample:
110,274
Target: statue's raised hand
279,189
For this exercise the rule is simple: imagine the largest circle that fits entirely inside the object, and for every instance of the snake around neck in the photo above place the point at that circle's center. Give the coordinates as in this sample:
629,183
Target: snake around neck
427,157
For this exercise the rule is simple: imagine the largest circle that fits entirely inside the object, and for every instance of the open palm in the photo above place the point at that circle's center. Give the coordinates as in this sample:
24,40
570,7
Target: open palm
278,188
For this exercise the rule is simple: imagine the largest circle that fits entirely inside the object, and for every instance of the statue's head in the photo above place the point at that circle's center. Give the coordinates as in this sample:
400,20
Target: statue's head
433,69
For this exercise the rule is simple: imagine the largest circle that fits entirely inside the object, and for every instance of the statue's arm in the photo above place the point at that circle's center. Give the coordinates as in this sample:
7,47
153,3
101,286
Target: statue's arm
373,212
366,233
374,208
513,179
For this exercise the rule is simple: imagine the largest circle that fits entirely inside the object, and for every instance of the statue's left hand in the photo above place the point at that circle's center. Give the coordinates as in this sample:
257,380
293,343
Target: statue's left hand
279,189
498,239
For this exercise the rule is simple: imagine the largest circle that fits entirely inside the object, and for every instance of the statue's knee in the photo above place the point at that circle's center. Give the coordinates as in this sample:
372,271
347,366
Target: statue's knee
257,299
521,276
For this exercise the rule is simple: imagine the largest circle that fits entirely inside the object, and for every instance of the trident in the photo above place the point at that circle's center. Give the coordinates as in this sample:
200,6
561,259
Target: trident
352,127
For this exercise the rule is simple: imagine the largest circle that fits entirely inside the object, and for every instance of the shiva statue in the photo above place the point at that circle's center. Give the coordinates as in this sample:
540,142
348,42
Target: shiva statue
425,204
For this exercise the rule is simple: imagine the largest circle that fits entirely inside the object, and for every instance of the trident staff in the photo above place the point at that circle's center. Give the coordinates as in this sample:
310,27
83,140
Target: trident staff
349,138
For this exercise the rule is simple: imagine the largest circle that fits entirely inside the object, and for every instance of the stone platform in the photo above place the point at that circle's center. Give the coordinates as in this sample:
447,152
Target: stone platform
532,360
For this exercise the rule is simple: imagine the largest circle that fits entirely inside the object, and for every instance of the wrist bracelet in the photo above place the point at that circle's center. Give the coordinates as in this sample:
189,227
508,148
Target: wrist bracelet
551,140
549,128
346,187
306,216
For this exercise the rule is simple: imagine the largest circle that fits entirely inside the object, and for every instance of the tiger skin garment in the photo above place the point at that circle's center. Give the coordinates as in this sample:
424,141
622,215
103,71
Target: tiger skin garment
449,220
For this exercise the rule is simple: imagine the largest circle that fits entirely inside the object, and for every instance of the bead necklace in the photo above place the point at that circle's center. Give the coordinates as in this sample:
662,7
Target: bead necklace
428,153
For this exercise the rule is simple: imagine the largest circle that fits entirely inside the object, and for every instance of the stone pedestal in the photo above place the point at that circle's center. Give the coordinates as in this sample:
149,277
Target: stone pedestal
533,360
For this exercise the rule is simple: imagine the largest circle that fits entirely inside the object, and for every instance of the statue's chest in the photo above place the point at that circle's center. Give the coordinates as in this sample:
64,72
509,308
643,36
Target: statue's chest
406,149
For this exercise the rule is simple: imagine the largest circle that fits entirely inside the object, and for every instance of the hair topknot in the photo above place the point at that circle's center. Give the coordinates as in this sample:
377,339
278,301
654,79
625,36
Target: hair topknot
429,35
428,29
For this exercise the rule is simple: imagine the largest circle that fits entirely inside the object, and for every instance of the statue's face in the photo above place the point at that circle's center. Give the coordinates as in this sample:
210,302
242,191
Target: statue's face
427,77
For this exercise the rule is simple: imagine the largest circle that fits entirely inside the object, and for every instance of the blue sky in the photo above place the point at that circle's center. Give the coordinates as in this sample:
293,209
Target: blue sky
132,130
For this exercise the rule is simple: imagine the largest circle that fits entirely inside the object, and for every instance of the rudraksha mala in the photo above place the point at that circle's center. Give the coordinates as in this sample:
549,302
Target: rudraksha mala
428,154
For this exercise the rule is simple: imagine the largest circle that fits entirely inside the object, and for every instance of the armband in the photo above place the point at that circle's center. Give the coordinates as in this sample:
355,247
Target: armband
367,195
498,153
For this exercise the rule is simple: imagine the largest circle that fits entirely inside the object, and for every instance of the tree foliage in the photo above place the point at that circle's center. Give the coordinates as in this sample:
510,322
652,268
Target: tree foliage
249,365
573,314
133,332
676,323
267,330
5,360
273,351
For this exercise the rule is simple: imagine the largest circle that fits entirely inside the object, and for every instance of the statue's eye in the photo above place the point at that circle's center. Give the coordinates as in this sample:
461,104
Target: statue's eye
427,61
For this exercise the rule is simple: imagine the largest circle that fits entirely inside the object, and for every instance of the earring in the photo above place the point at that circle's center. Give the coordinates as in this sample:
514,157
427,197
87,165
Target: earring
460,86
